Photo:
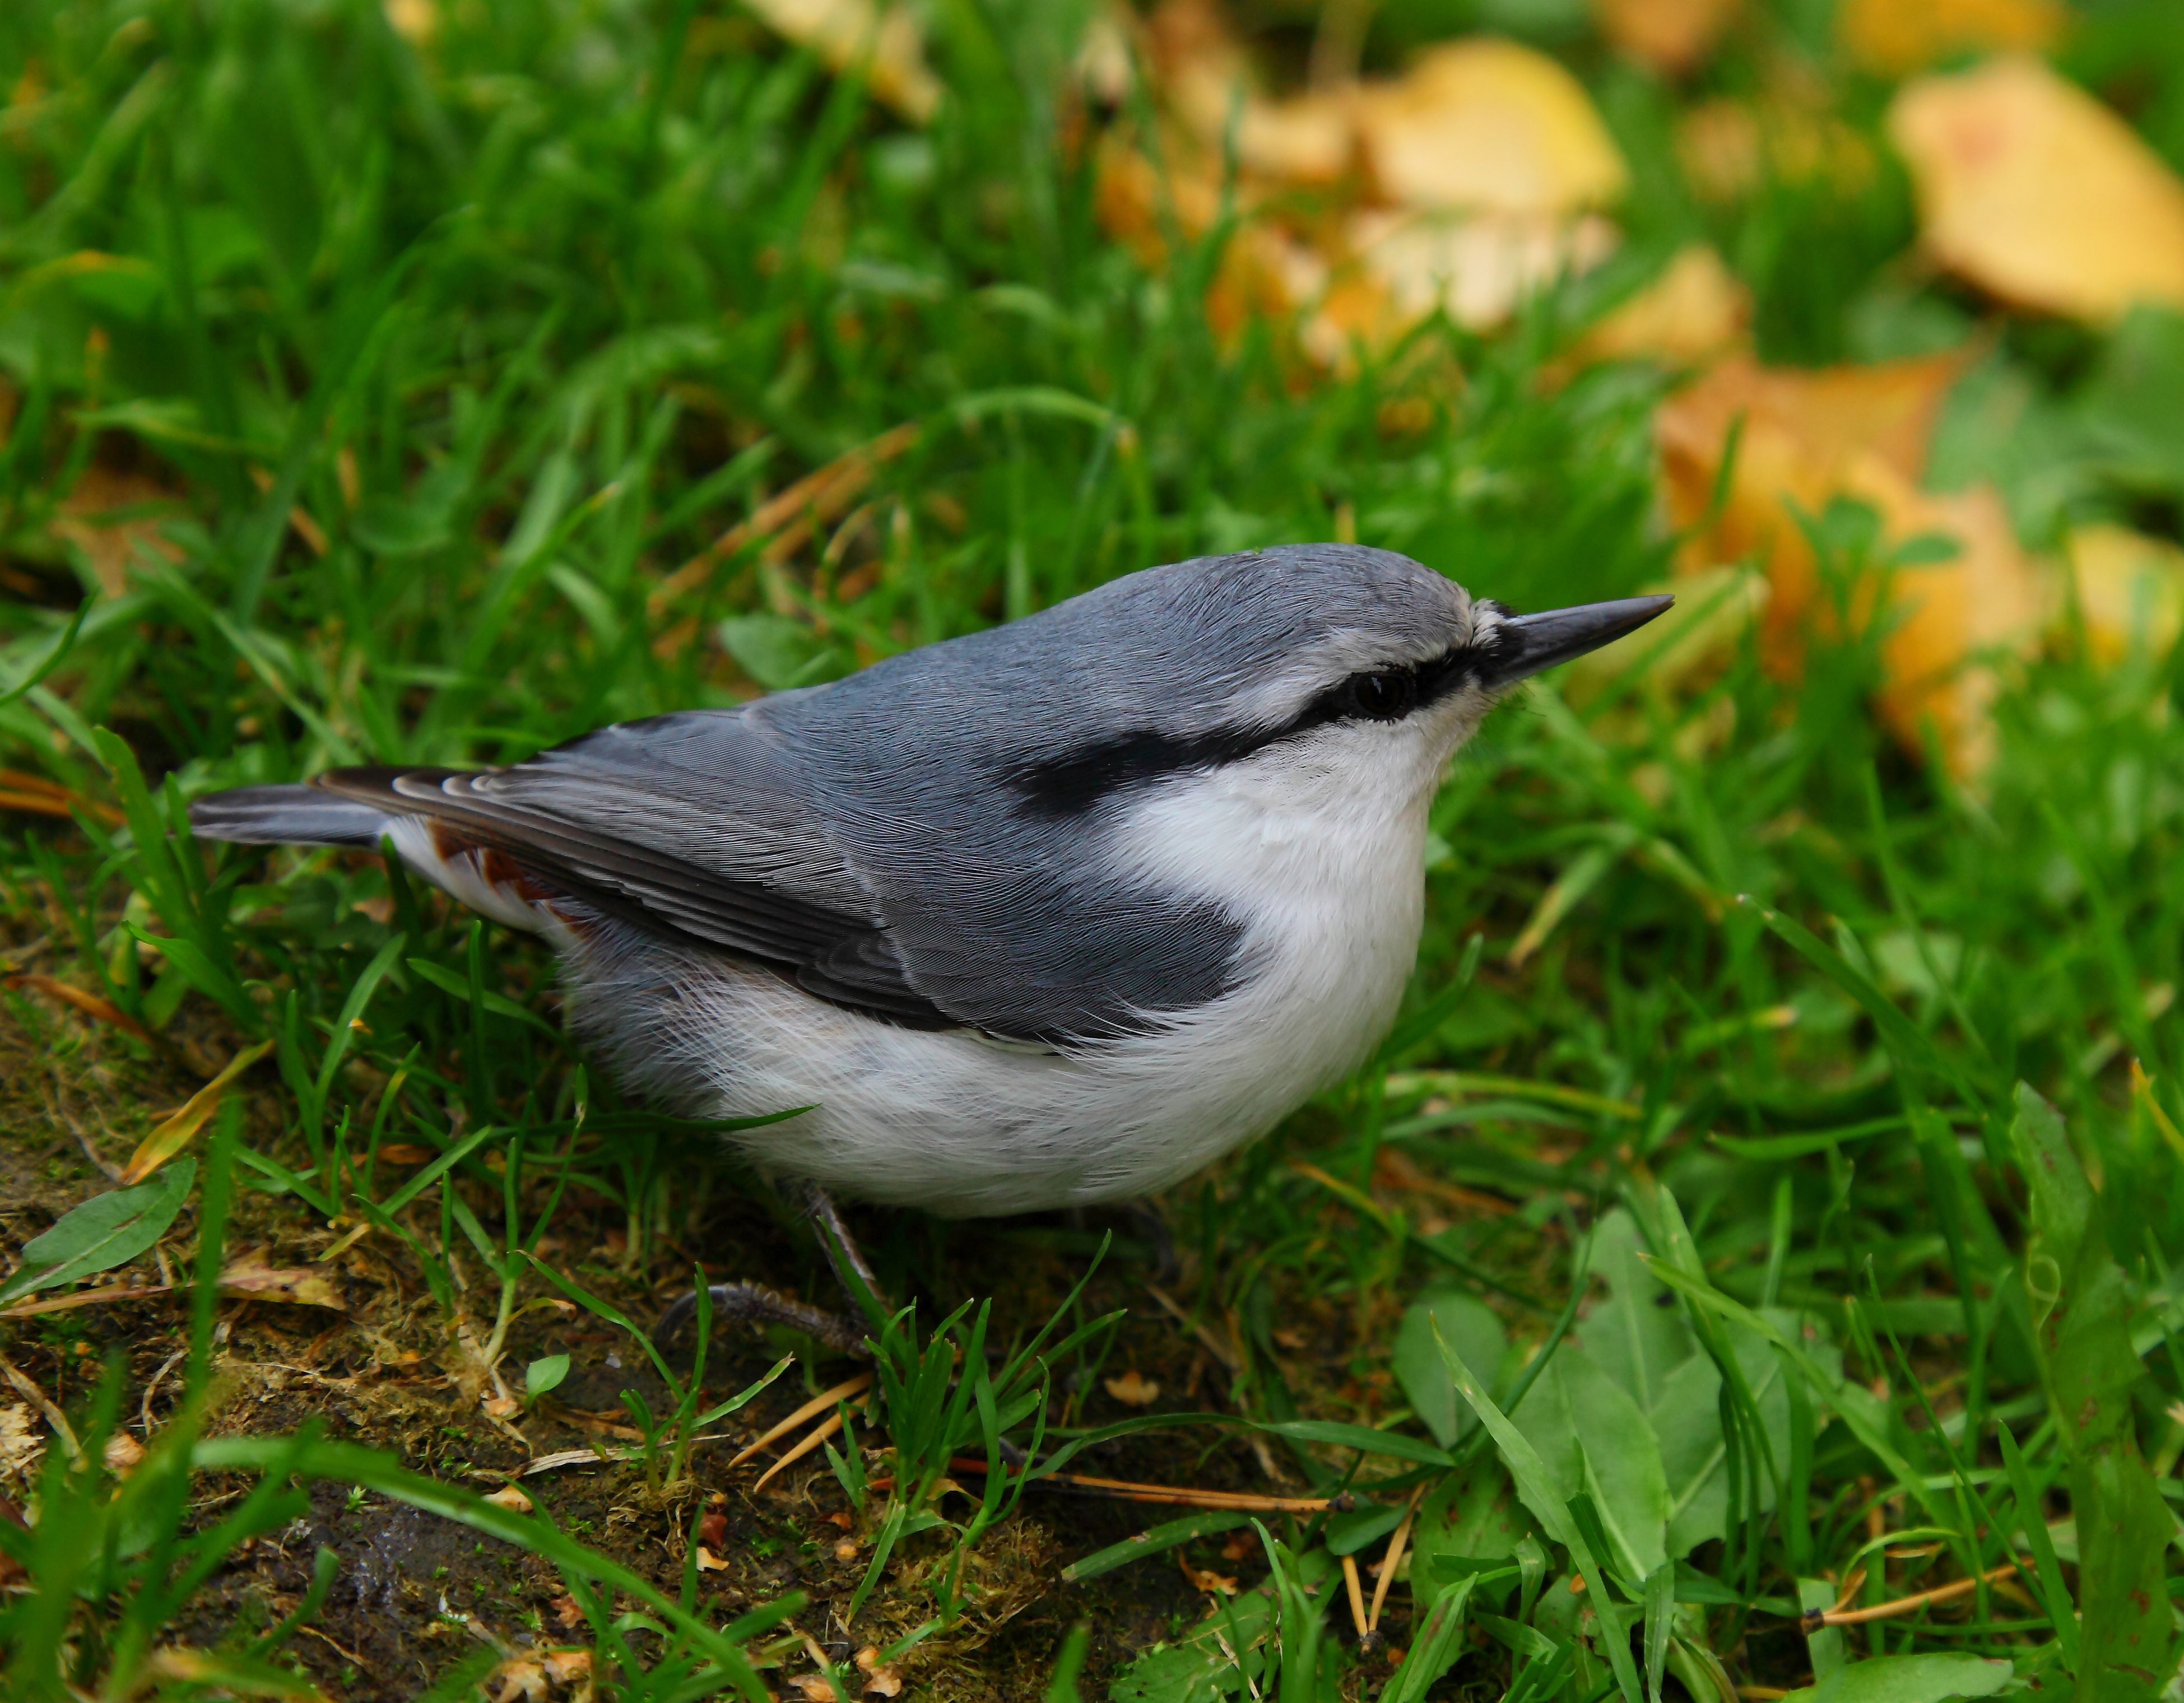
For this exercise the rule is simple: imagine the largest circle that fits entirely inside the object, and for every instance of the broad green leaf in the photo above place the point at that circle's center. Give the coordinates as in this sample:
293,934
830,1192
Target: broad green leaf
1592,1439
545,1374
106,1231
1469,1327
1471,1516
1909,1679
1622,1472
1630,1335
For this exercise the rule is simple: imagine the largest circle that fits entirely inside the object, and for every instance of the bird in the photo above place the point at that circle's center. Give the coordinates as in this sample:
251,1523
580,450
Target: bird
1045,916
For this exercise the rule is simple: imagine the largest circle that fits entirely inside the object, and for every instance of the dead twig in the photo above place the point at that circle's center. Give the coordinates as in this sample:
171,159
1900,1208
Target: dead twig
818,1404
1909,1605
83,1298
816,497
1393,1559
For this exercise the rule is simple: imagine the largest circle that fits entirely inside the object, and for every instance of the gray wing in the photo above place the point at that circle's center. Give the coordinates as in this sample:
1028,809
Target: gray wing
694,826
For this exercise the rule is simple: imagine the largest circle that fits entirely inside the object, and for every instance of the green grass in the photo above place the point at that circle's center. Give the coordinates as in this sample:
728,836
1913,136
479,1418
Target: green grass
525,321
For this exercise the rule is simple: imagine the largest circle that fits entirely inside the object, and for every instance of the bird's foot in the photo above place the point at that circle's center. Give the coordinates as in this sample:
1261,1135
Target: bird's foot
758,1304
755,1304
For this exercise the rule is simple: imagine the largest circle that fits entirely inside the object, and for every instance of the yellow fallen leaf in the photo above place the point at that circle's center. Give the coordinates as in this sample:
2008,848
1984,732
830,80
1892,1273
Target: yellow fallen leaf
1859,432
1488,126
2033,191
292,1286
416,21
1133,1388
173,1135
2128,589
1729,147
1671,35
1697,309
508,1497
1478,270
1894,38
1209,84
882,41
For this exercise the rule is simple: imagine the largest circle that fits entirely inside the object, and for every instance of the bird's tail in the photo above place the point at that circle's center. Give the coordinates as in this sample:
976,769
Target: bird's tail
286,815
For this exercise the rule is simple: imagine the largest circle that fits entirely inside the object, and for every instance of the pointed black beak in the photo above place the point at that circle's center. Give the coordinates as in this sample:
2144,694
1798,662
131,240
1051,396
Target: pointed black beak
1526,643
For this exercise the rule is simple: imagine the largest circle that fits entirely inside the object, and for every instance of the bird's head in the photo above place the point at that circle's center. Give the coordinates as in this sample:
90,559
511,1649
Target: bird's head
1322,669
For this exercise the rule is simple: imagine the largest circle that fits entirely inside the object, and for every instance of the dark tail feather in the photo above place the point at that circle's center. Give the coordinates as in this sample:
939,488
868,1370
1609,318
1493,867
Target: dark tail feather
286,815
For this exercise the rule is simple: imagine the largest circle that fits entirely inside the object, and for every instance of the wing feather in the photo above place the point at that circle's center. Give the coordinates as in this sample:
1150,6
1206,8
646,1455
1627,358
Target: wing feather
618,837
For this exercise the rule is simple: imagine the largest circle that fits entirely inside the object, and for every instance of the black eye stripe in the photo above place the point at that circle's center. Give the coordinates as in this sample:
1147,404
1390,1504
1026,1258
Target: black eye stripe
1076,782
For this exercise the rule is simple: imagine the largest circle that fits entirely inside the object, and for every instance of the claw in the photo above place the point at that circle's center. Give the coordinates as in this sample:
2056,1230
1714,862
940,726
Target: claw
759,1305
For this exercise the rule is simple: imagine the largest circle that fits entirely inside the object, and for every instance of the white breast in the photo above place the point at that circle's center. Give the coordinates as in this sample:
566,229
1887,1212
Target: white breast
1317,844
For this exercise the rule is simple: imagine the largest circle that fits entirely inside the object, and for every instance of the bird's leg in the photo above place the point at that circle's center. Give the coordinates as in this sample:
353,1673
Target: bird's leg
759,1305
851,1270
1147,1219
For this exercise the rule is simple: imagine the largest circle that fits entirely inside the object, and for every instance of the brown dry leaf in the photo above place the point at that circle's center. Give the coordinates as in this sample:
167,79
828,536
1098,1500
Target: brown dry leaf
298,1285
174,1133
500,1407
1133,1388
1858,432
520,1676
816,1688
568,1666
2128,589
883,40
708,1562
1694,311
508,1497
565,1611
122,1453
1489,125
109,515
884,1680
408,1153
1894,38
21,1443
1670,36
1206,1580
2032,190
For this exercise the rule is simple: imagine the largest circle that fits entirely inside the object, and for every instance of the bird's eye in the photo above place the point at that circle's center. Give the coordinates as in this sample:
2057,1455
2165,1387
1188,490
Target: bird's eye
1386,696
